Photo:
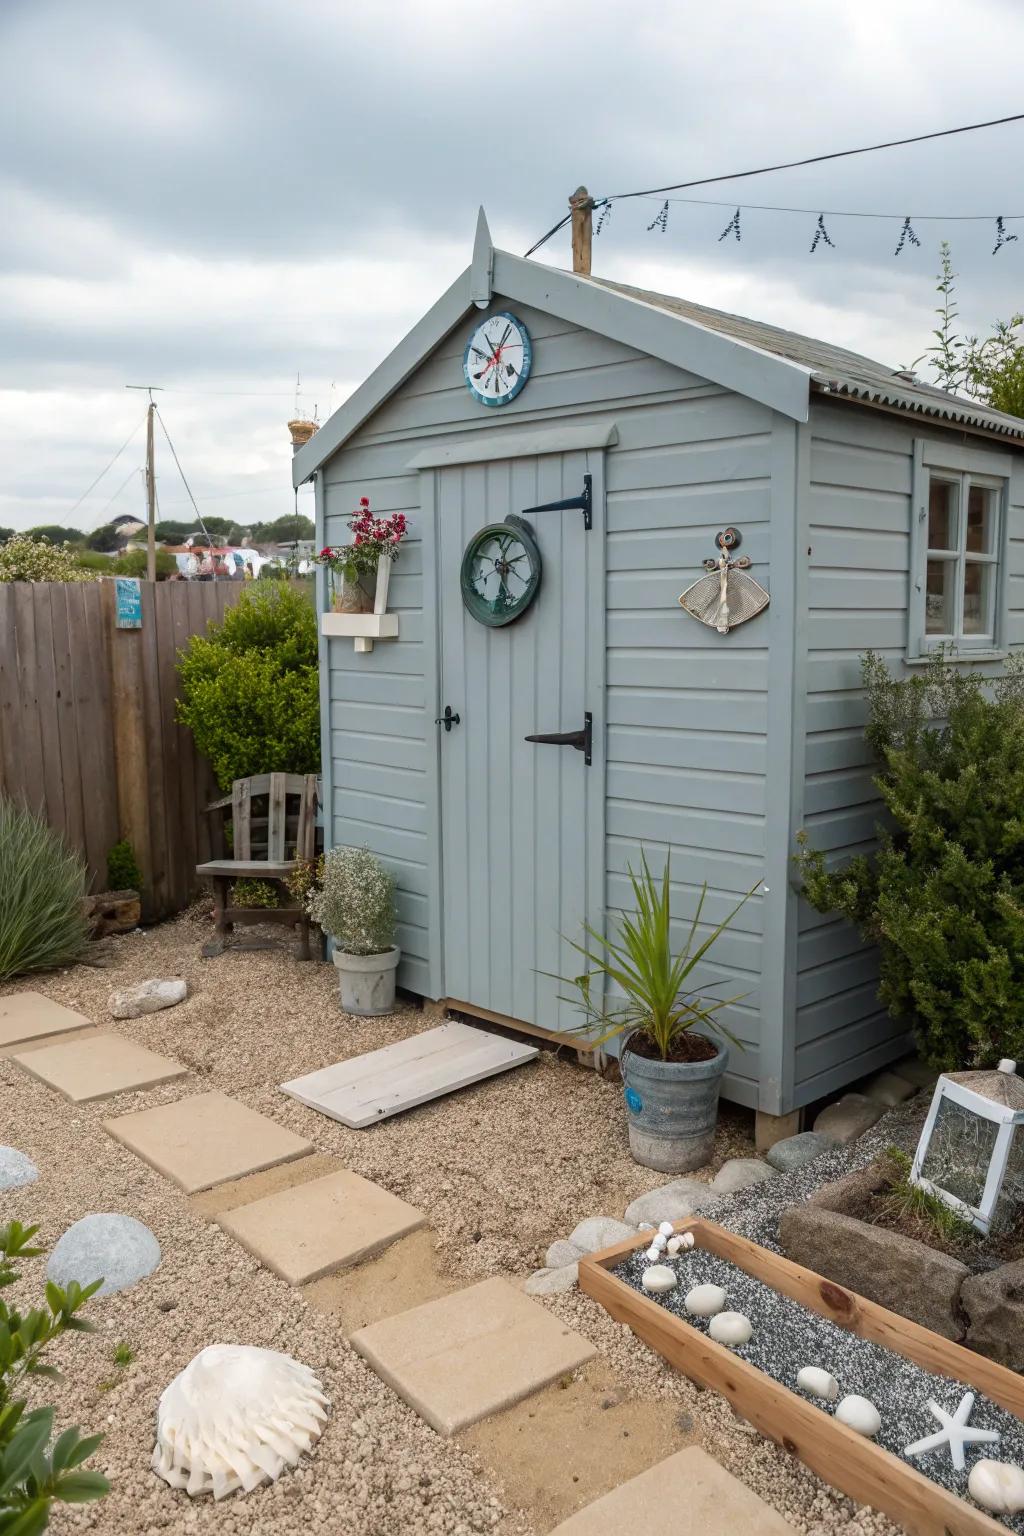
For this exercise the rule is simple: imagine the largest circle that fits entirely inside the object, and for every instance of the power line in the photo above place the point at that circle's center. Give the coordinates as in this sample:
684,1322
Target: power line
786,165
181,472
103,471
846,213
133,471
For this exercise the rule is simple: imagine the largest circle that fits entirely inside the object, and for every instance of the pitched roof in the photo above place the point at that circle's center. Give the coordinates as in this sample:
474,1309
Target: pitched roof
1004,1088
834,370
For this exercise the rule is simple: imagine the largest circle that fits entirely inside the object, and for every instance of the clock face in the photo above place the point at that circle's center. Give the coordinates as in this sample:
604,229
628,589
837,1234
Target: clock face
500,572
497,360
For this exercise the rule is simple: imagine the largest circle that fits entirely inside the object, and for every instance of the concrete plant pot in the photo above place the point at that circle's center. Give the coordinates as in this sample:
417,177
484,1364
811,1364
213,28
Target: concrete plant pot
673,1108
366,983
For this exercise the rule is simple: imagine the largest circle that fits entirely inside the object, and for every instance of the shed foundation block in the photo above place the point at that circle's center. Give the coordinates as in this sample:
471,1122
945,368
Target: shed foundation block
768,1129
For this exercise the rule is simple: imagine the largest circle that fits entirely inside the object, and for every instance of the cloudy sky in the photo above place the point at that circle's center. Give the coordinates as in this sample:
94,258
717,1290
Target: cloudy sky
217,196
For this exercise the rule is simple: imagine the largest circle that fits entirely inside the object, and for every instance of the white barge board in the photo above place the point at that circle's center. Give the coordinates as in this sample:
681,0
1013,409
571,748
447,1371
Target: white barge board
368,1088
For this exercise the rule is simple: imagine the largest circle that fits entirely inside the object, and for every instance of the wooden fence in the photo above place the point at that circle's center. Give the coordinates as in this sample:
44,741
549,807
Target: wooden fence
88,734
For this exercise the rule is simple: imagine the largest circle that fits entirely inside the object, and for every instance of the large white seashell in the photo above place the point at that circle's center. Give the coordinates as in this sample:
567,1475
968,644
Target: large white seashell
859,1413
730,1328
666,1229
704,1300
657,1279
653,1254
818,1383
686,1238
674,1246
998,1486
236,1417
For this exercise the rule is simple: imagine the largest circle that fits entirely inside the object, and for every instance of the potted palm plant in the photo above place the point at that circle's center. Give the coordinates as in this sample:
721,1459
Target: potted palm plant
353,900
671,1068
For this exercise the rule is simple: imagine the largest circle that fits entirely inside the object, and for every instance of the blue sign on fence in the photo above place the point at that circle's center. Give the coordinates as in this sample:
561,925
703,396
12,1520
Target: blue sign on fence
128,593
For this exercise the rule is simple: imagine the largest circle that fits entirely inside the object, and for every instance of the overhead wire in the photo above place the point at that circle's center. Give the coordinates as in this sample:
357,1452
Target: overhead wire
107,467
181,472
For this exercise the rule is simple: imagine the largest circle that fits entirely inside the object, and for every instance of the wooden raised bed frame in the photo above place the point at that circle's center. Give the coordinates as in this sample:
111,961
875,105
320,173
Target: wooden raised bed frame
851,1463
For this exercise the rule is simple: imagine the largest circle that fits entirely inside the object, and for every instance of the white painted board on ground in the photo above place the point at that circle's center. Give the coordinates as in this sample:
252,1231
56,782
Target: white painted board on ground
368,1088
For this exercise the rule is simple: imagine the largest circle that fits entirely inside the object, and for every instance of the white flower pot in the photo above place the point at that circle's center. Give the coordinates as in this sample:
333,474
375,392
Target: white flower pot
366,983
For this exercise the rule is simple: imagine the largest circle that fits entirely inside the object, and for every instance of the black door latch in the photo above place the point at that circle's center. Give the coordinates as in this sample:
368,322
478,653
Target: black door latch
447,719
581,741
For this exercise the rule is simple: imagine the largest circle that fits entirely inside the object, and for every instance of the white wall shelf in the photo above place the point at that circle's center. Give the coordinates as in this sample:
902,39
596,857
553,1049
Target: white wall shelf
364,628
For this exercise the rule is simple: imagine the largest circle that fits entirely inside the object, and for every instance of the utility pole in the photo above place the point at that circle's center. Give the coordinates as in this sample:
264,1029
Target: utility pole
150,481
582,205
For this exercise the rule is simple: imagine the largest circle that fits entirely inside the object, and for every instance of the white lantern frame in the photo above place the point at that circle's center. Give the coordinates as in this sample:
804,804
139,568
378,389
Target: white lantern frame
1002,1115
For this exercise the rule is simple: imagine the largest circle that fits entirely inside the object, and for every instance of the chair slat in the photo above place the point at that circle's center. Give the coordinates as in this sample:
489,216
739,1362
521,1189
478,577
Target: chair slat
241,807
276,816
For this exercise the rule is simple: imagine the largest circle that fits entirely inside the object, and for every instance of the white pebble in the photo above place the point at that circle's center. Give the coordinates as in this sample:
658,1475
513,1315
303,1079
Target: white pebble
686,1238
654,1254
659,1242
657,1279
818,1383
998,1486
704,1300
666,1229
859,1413
730,1328
674,1245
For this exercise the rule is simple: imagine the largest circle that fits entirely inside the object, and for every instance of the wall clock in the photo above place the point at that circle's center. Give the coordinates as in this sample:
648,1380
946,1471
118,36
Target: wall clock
498,358
500,572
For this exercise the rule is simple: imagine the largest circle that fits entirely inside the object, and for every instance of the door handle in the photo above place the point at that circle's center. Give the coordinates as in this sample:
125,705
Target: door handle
448,719
581,741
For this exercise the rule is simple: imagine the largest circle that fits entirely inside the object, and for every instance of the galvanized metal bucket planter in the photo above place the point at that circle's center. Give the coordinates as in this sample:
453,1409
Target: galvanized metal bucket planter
673,1108
366,983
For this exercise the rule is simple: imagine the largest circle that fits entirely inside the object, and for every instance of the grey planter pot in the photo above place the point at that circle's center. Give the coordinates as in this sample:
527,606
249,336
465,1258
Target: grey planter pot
366,983
673,1108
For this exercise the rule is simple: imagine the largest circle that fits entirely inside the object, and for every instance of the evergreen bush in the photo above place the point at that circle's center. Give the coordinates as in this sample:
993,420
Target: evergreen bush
250,687
42,893
123,872
23,558
943,896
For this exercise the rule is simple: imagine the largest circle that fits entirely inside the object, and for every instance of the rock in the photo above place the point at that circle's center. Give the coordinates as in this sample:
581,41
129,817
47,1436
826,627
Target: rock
658,1278
730,1328
887,1088
113,912
551,1282
147,997
212,948
817,1383
562,1253
897,1272
739,1173
998,1486
117,1249
916,1071
798,1150
859,1413
994,1303
672,1202
704,1300
599,1232
849,1118
16,1169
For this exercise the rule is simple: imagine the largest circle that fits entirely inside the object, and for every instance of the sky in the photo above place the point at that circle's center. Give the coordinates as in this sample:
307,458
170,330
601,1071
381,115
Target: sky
221,198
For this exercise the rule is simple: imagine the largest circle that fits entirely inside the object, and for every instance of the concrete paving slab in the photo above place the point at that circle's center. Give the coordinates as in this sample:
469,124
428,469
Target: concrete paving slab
704,1500
203,1140
98,1066
31,1016
326,1224
464,1356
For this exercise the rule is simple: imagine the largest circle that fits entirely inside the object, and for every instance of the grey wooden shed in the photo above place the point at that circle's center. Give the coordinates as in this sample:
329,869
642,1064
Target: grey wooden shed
877,511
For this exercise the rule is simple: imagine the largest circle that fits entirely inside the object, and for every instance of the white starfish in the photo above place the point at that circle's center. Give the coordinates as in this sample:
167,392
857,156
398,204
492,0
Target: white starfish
955,1432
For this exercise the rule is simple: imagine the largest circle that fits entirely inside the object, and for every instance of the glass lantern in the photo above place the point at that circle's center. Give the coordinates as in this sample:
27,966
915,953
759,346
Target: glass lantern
971,1151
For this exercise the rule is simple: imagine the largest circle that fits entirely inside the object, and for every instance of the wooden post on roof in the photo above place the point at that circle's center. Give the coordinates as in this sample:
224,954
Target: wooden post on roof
582,207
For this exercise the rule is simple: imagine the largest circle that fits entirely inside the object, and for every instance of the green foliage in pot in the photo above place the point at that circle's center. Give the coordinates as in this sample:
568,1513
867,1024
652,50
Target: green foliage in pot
123,872
33,1472
42,894
250,686
943,897
355,902
254,893
653,998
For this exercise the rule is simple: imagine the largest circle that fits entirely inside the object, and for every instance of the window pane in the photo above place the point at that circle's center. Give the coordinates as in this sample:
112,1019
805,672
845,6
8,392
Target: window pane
938,610
942,500
981,518
959,1151
977,585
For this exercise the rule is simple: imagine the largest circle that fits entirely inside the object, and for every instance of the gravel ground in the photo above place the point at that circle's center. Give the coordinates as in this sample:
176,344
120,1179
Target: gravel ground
501,1170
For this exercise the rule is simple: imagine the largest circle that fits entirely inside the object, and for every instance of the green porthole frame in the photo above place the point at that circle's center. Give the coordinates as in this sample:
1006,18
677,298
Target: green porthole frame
483,611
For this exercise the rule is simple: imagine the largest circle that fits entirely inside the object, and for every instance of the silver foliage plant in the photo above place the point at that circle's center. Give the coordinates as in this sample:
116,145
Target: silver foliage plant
355,902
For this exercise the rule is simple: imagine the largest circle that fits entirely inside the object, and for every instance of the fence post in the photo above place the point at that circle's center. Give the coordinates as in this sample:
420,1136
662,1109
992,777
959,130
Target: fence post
127,704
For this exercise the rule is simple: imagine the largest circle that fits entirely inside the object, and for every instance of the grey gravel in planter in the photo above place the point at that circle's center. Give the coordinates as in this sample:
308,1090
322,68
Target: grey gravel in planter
117,1249
797,1151
16,1169
673,1108
994,1304
366,983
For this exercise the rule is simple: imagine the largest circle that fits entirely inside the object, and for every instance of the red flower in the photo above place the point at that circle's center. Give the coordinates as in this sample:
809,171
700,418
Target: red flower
364,501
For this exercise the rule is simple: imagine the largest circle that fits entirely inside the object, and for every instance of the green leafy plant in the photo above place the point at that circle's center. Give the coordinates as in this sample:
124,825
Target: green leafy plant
123,872
253,893
23,558
31,1476
651,980
989,369
123,1354
355,902
305,880
250,688
42,895
943,896
904,1202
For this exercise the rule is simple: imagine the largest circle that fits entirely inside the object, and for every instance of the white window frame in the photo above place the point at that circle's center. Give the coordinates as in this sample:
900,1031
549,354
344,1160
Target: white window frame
964,467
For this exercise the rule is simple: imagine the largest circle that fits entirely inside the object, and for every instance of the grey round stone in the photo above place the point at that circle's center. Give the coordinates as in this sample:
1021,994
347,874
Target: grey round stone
798,1150
117,1249
16,1169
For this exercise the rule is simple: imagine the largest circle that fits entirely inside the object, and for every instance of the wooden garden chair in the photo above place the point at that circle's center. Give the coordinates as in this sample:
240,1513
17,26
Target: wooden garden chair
273,826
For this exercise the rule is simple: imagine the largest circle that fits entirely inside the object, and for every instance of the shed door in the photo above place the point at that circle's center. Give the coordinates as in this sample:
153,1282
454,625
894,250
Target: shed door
522,824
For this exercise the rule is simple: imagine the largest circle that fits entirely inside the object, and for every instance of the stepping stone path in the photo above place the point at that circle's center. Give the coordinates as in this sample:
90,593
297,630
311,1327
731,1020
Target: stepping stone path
312,1229
465,1356
116,1249
98,1066
204,1140
147,997
688,1493
796,1151
16,1169
28,1016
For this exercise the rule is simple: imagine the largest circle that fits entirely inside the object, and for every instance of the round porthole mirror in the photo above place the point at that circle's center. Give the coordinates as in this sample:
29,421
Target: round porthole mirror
501,570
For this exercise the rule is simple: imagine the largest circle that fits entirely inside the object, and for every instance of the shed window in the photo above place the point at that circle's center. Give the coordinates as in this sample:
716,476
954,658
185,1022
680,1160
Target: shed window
957,577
